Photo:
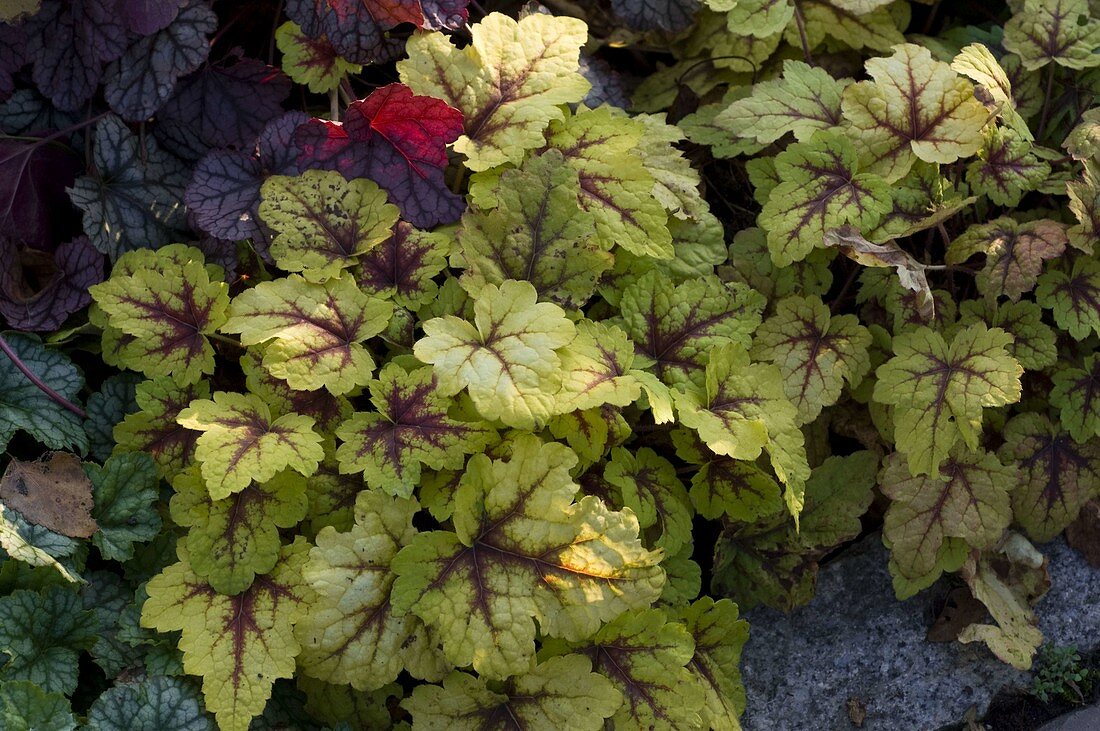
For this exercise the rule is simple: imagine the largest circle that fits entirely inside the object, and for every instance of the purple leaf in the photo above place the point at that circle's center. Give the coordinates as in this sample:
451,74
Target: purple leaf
13,54
33,177
146,74
608,86
357,28
224,193
223,105
146,17
444,14
69,43
29,114
133,200
399,141
38,291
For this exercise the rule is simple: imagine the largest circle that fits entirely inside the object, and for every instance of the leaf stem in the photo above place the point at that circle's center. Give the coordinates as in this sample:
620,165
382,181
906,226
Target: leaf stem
42,386
802,37
1046,102
223,339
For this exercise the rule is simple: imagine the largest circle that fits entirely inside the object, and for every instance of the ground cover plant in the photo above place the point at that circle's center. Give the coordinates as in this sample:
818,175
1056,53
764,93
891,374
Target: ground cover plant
395,362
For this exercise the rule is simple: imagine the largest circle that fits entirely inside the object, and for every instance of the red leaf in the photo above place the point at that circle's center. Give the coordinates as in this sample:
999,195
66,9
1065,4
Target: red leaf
398,140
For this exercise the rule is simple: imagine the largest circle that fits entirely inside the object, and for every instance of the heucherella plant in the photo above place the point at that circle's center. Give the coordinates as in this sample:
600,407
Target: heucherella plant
443,376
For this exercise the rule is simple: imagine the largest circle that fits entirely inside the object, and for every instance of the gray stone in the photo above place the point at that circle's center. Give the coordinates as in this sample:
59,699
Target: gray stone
856,640
1085,719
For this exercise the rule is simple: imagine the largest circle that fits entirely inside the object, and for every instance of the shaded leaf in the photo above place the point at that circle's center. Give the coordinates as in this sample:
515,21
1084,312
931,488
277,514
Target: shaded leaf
42,634
151,704
153,428
312,62
1014,253
719,636
1058,475
234,539
403,266
1072,292
25,407
1077,393
39,291
125,491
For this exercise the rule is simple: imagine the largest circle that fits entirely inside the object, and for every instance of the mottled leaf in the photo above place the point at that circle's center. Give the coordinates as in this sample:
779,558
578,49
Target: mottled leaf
42,635
25,407
313,62
324,223
1066,32
1072,292
124,490
403,266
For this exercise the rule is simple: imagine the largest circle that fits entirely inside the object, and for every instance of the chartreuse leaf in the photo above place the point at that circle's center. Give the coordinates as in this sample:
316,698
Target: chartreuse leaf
241,644
25,407
816,352
1014,253
312,62
772,562
1065,32
648,485
802,101
241,443
916,108
507,357
151,704
530,228
1083,141
749,262
591,433
978,63
939,389
324,223
645,655
42,634
742,411
597,368
523,551
676,182
1006,167
153,428
675,326
966,499
1073,294
608,150
856,23
410,428
24,706
232,540
351,633
719,636
1058,474
316,331
124,491
1077,393
167,302
509,83
823,187
561,692
343,707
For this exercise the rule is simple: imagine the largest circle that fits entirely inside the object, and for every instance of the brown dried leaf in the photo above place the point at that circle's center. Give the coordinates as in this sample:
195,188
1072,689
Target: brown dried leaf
910,272
53,493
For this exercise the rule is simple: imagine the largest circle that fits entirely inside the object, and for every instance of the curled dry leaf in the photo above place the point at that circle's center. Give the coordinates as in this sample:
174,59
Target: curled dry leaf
53,493
911,273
